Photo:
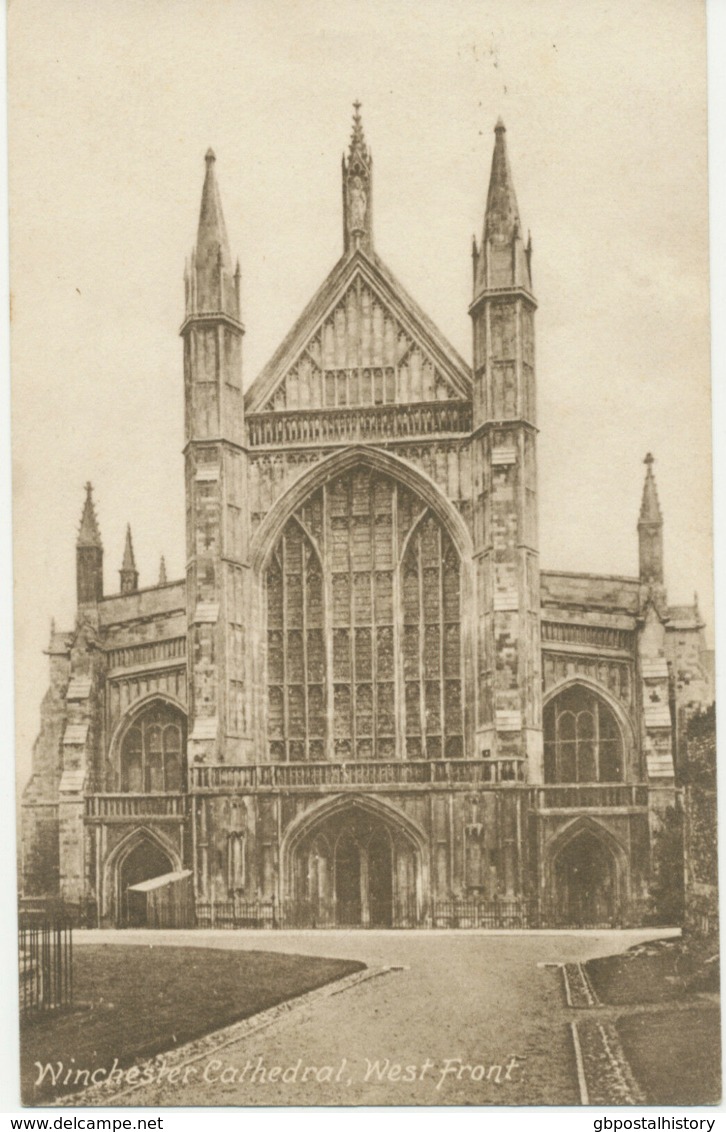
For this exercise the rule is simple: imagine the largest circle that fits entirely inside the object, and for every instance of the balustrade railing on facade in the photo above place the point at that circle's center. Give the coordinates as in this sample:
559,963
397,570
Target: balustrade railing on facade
106,806
604,795
442,772
368,422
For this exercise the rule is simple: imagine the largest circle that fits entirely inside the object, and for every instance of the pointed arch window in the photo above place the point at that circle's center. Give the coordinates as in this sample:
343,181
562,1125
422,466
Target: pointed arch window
152,752
363,628
582,739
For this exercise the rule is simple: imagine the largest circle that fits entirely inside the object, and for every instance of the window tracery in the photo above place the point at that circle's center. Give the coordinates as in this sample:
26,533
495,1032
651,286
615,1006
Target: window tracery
152,752
364,652
582,739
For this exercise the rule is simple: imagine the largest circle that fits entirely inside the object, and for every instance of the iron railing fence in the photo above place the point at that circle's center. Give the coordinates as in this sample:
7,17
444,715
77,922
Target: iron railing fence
45,965
408,913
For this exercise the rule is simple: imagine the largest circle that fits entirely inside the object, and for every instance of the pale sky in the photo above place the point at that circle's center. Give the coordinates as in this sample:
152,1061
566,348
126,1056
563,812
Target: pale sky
112,107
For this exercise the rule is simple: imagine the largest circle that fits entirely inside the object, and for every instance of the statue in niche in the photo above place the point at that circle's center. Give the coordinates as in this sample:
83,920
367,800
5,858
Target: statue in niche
358,201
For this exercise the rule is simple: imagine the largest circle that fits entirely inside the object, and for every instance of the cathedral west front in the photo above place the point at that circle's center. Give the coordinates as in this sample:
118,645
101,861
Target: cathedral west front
367,703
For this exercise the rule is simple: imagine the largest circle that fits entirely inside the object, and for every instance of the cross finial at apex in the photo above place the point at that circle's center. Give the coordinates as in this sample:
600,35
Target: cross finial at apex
649,459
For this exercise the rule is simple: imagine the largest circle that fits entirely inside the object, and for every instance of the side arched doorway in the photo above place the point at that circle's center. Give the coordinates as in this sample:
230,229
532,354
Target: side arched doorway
143,862
355,868
586,883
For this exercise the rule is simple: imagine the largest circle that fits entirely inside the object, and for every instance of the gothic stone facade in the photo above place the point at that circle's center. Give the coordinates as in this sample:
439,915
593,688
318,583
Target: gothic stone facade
365,702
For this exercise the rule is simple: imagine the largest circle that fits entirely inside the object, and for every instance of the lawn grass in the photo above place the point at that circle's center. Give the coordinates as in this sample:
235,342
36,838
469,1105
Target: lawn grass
675,1055
659,971
640,977
147,999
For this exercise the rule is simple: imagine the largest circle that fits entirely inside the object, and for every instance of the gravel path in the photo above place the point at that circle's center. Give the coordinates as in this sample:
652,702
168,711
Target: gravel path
471,1019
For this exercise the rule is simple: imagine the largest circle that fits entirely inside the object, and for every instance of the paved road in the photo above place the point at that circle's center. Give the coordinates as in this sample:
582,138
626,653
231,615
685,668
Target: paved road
463,999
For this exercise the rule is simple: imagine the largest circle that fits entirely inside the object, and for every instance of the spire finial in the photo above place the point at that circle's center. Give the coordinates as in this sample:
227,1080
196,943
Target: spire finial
357,188
357,138
650,528
128,562
162,572
128,573
210,278
88,533
504,259
650,507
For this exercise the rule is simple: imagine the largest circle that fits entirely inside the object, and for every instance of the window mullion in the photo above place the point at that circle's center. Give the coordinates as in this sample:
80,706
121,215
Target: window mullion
373,622
285,686
399,698
304,550
350,487
442,718
421,644
327,619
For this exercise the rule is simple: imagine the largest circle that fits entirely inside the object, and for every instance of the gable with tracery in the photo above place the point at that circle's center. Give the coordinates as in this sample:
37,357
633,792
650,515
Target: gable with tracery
367,350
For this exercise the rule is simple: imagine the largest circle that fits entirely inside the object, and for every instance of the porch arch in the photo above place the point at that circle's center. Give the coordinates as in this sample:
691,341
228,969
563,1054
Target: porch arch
315,823
586,874
117,858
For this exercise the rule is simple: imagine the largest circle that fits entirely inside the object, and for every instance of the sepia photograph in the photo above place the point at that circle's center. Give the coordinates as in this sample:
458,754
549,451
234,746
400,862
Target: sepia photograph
364,626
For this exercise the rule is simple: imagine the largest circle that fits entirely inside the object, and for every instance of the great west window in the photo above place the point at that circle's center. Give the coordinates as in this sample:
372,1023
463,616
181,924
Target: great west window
363,628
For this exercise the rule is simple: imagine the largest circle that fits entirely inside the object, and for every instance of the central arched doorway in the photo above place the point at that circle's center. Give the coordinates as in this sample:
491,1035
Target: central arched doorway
586,883
143,862
362,873
355,868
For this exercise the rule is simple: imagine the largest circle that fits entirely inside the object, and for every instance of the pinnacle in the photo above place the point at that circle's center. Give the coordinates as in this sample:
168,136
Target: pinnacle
88,533
358,145
128,559
212,233
210,278
650,511
504,260
502,215
162,572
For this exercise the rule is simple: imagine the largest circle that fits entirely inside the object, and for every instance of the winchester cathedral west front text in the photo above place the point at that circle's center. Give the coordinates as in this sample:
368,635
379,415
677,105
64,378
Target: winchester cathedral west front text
366,703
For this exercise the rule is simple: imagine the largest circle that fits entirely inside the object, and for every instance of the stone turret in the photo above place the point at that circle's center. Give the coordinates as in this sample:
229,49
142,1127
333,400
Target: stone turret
509,708
216,476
